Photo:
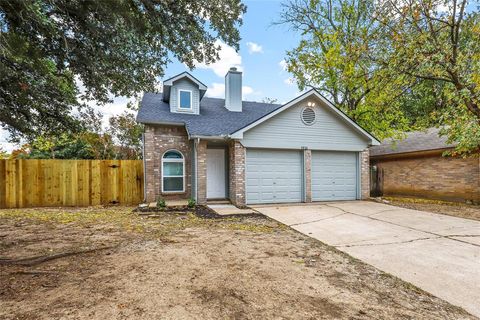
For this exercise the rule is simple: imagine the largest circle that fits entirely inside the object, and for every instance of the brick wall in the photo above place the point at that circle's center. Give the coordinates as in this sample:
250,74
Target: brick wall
365,174
435,177
237,173
159,139
308,175
202,172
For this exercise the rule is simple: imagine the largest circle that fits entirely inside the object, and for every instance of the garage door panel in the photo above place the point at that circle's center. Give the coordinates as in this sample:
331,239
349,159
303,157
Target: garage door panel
334,175
273,176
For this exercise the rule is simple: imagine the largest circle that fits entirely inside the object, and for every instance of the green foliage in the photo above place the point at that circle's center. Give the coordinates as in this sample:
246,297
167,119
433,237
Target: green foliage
161,204
269,100
51,49
435,44
121,140
333,56
3,154
191,203
393,66
127,135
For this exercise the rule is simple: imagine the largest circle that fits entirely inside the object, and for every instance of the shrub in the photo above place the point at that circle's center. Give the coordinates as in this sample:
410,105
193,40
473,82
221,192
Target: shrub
161,204
191,203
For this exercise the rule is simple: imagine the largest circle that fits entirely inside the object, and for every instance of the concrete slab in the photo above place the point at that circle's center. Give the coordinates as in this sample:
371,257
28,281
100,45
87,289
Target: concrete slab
438,253
430,222
290,215
229,209
176,203
353,230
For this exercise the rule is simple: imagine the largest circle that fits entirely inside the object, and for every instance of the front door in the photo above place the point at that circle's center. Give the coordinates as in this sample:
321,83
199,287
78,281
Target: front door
216,174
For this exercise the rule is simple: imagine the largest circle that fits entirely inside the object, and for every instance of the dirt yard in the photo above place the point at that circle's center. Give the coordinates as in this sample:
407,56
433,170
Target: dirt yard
461,210
109,263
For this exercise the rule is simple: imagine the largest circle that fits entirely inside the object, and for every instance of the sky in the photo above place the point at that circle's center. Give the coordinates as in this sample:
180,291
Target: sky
261,59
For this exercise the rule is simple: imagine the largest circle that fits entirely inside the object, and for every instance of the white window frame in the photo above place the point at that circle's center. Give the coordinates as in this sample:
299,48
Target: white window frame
182,160
191,100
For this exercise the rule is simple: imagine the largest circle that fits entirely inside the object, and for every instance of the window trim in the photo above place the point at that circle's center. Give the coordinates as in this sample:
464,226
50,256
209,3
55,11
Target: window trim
182,160
191,100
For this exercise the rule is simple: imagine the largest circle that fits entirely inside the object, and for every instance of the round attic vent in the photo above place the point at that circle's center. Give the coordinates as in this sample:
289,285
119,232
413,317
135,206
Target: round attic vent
308,116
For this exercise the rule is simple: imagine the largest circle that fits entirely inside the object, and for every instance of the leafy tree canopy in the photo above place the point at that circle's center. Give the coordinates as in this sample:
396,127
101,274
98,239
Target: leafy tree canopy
120,140
393,65
49,48
333,56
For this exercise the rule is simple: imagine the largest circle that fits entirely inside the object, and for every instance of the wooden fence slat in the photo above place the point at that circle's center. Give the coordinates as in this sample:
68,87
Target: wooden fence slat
34,183
3,184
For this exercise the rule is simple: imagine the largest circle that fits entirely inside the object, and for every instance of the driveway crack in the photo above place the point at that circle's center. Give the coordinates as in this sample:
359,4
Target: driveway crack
307,222
385,243
406,227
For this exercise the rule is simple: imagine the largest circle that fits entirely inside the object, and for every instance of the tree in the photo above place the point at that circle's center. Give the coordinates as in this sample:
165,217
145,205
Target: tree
127,136
269,100
333,56
3,154
56,54
437,41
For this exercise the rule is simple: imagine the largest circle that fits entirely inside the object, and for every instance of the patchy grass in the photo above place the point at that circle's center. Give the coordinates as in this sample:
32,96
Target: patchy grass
180,266
456,209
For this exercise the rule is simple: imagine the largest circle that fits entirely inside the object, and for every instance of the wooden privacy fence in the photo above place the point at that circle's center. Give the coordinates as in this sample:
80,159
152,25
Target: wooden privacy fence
41,183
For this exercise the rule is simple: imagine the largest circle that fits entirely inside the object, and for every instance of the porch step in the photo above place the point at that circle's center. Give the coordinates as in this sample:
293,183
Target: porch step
225,201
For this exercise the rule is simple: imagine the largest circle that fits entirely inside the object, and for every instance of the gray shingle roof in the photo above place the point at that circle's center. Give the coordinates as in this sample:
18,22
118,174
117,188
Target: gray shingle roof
415,141
214,119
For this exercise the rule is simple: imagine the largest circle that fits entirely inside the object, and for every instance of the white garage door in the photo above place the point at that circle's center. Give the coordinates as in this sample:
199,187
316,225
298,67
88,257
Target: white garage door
334,175
273,176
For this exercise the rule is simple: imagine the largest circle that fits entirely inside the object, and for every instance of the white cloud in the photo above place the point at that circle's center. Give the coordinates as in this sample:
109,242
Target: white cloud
228,58
283,65
254,47
289,81
217,90
4,144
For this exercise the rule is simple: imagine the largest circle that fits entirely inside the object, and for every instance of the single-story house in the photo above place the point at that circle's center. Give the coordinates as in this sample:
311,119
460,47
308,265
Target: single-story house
249,152
415,166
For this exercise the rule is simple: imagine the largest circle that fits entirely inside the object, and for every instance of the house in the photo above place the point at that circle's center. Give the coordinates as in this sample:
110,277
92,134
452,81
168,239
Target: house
414,166
249,152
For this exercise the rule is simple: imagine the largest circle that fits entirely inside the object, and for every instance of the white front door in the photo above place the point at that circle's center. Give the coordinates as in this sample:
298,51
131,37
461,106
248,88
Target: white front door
216,174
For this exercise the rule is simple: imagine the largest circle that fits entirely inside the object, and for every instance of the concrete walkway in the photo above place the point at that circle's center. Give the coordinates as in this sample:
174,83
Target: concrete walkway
438,253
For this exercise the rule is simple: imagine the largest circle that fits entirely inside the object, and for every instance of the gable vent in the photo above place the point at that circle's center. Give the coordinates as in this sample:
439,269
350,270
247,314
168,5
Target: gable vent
308,116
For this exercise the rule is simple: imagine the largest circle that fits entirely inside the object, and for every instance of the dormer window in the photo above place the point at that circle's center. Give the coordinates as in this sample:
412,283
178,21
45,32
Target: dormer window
185,99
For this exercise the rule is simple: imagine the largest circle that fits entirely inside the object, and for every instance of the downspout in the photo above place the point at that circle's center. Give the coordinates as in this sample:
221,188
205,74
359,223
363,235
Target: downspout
144,167
196,141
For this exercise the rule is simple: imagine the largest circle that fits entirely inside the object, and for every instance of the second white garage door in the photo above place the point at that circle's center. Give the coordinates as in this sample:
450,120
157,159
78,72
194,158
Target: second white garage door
273,176
334,175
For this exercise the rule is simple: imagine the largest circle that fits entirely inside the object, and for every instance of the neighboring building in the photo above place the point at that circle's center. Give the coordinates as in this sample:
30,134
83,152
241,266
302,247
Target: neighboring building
414,166
249,152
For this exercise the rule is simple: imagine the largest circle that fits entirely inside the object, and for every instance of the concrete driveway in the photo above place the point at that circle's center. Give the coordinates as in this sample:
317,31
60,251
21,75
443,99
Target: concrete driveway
438,253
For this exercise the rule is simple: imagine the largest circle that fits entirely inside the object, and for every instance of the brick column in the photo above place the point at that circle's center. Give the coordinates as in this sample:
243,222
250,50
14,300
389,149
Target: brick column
307,156
365,174
149,161
237,173
202,172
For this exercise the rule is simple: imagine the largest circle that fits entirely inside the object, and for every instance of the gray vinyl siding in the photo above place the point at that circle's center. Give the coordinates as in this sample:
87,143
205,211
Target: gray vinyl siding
286,130
184,84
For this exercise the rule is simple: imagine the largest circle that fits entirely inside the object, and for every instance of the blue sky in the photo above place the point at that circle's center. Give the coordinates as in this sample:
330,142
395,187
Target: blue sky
262,49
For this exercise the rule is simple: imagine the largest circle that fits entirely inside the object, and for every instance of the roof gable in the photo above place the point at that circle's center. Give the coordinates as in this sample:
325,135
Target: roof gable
168,83
337,112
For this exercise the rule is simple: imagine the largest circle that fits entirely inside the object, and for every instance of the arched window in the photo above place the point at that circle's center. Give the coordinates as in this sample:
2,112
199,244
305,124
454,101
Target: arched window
173,172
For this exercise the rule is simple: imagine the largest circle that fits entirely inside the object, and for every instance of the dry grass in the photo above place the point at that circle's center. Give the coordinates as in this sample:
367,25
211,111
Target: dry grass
182,266
456,209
